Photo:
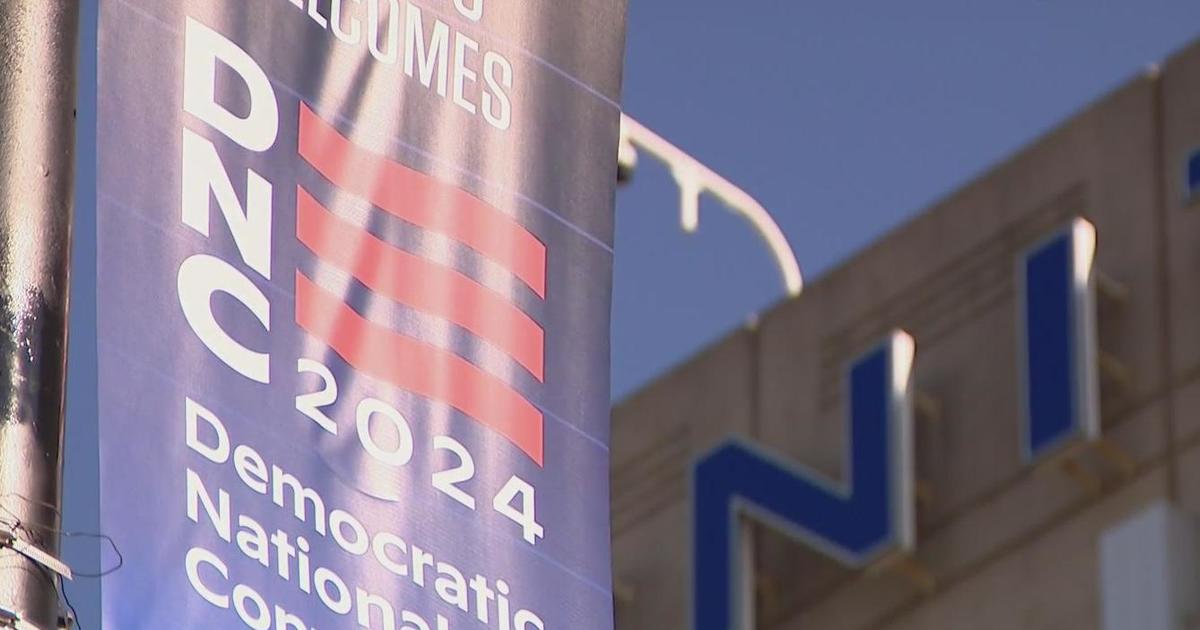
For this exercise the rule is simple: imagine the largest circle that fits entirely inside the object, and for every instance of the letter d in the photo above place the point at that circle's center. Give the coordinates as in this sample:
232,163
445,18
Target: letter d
218,453
202,49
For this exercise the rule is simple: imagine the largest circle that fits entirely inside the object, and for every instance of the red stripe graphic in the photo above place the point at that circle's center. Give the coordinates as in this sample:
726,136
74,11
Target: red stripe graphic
423,200
419,283
418,367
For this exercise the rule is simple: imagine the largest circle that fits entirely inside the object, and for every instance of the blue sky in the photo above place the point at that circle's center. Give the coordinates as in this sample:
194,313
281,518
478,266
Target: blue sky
844,121
843,118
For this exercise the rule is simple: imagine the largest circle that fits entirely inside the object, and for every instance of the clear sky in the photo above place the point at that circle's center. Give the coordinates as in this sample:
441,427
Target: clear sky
843,121
843,118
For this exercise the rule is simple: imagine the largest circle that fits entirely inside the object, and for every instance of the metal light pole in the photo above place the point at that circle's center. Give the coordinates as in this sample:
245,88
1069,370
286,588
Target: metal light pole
695,179
38,59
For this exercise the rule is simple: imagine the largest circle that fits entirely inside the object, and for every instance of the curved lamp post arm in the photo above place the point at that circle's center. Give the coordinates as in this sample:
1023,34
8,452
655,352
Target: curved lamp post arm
695,179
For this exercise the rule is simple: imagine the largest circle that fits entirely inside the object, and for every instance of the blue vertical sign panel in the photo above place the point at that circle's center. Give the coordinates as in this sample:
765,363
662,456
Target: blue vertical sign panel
869,515
354,271
1059,382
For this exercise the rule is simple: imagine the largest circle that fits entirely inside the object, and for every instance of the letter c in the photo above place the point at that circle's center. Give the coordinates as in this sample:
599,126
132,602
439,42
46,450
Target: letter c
197,556
350,34
380,546
473,12
200,276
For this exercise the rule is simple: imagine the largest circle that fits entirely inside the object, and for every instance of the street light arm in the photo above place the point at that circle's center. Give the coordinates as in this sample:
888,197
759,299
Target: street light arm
695,179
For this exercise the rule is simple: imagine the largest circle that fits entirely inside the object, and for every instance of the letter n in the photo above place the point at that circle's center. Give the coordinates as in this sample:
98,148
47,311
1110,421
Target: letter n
859,521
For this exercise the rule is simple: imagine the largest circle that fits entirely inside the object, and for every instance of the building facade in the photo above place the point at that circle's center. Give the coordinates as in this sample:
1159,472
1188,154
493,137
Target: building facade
1002,541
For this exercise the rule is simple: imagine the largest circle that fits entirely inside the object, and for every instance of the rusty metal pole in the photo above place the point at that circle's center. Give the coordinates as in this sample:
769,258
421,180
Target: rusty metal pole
38,62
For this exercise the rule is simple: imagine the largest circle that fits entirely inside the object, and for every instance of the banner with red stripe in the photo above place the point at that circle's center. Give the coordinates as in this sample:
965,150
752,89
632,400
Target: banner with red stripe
355,264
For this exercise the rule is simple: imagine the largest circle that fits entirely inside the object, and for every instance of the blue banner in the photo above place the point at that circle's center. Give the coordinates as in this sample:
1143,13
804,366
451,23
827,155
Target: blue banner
355,266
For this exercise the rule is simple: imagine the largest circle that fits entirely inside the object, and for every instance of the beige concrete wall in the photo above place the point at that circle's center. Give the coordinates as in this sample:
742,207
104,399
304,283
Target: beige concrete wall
1010,545
1181,115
